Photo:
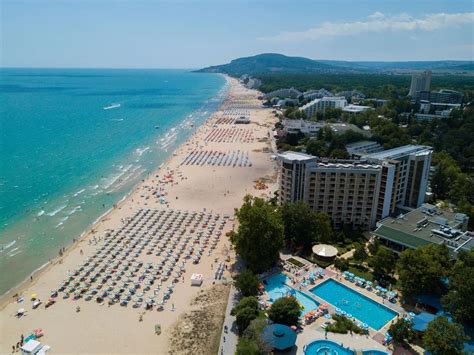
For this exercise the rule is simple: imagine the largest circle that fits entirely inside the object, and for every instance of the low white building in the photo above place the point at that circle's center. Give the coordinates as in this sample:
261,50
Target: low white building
356,108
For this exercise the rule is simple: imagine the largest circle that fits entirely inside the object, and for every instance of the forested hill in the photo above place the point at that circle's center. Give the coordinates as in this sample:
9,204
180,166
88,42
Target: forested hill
278,63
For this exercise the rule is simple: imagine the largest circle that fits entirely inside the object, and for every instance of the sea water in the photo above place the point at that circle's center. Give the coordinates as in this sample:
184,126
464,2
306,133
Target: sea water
74,142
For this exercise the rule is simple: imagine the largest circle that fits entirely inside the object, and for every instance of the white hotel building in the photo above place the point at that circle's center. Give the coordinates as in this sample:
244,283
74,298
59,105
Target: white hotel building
322,104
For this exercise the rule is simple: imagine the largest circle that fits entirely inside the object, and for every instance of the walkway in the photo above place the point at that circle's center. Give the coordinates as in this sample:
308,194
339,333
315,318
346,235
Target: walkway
229,346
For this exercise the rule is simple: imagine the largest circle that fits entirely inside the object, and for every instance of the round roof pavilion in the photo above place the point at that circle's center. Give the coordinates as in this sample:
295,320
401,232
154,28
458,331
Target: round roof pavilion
324,251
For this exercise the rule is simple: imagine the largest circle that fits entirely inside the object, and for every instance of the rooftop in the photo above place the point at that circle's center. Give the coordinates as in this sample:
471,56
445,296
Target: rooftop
400,151
360,144
295,156
427,225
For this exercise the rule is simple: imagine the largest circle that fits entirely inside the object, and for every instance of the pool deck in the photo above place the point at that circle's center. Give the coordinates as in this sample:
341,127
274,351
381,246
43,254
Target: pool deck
355,342
374,339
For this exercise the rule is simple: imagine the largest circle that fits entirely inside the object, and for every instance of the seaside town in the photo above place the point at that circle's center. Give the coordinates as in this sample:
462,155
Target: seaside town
237,177
346,252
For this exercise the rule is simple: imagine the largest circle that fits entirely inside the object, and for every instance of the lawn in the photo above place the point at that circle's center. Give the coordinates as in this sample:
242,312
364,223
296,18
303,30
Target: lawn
295,262
361,271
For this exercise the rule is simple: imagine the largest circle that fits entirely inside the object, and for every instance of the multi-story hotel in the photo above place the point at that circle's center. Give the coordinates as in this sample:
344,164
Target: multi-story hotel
356,192
420,82
322,104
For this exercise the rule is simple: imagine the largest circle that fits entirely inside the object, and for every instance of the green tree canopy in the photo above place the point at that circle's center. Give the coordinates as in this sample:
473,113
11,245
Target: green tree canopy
247,282
383,264
444,338
301,224
401,331
245,311
285,310
421,270
360,254
342,264
323,231
259,237
459,299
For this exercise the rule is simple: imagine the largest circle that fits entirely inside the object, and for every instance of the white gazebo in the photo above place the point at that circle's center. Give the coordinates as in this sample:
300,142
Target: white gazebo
324,251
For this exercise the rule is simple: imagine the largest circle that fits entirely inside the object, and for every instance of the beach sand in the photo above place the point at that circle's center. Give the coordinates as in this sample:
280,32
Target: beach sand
100,328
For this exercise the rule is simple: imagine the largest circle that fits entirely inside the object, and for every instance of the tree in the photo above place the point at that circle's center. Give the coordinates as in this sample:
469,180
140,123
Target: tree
374,246
247,282
301,224
444,338
458,300
245,302
285,310
251,341
259,237
323,231
245,311
342,264
383,264
359,253
421,270
244,317
401,331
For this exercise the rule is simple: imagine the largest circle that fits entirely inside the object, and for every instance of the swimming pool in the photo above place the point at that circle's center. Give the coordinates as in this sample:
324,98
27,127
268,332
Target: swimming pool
276,288
361,307
326,347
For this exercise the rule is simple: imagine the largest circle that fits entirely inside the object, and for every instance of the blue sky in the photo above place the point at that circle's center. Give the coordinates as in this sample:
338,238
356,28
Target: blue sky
191,34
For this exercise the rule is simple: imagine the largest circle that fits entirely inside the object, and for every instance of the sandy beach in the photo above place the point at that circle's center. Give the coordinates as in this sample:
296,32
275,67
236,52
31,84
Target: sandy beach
178,216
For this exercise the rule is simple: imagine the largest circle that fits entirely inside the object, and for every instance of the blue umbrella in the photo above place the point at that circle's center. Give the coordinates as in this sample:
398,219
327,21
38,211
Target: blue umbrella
338,310
365,325
279,336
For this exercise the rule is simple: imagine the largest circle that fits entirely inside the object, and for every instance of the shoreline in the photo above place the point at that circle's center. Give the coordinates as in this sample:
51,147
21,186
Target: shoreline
5,297
180,184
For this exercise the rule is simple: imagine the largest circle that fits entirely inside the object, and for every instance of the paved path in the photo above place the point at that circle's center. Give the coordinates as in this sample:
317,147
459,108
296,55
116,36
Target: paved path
229,346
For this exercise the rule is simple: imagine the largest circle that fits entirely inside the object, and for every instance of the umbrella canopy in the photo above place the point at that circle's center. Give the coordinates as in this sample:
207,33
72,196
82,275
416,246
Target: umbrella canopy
279,336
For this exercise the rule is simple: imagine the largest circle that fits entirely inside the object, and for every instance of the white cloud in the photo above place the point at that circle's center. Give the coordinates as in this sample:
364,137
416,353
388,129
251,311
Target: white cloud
378,22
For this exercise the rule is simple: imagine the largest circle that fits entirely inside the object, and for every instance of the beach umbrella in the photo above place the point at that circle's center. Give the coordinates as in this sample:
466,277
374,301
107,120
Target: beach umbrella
279,336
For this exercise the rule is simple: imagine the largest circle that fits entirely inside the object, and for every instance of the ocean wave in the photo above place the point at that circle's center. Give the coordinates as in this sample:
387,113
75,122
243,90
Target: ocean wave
114,177
40,213
140,152
79,192
7,246
56,211
74,210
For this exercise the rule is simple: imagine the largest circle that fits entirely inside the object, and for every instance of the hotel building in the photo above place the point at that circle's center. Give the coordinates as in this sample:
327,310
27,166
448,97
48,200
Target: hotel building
420,82
357,192
322,104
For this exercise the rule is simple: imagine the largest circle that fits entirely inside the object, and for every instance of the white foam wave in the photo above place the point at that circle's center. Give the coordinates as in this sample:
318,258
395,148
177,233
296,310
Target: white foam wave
56,211
40,213
9,245
140,152
114,177
79,192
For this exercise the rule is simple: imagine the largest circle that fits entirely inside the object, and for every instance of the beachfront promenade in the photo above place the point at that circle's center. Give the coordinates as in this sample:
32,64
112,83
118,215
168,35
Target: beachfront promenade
134,266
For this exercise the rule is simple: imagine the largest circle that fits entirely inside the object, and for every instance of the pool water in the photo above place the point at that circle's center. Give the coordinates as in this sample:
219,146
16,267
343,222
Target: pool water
276,288
326,347
361,307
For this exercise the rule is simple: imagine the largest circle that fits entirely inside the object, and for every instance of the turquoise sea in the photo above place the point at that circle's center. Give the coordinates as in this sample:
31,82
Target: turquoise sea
75,141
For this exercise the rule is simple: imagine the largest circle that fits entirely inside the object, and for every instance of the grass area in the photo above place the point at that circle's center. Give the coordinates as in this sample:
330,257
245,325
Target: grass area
361,271
295,262
343,248
320,263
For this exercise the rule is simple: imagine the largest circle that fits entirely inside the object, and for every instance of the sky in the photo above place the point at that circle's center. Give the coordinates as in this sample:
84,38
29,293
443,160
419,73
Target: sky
194,34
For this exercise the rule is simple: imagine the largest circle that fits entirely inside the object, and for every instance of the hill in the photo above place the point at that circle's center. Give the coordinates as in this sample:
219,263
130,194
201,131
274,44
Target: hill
268,63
